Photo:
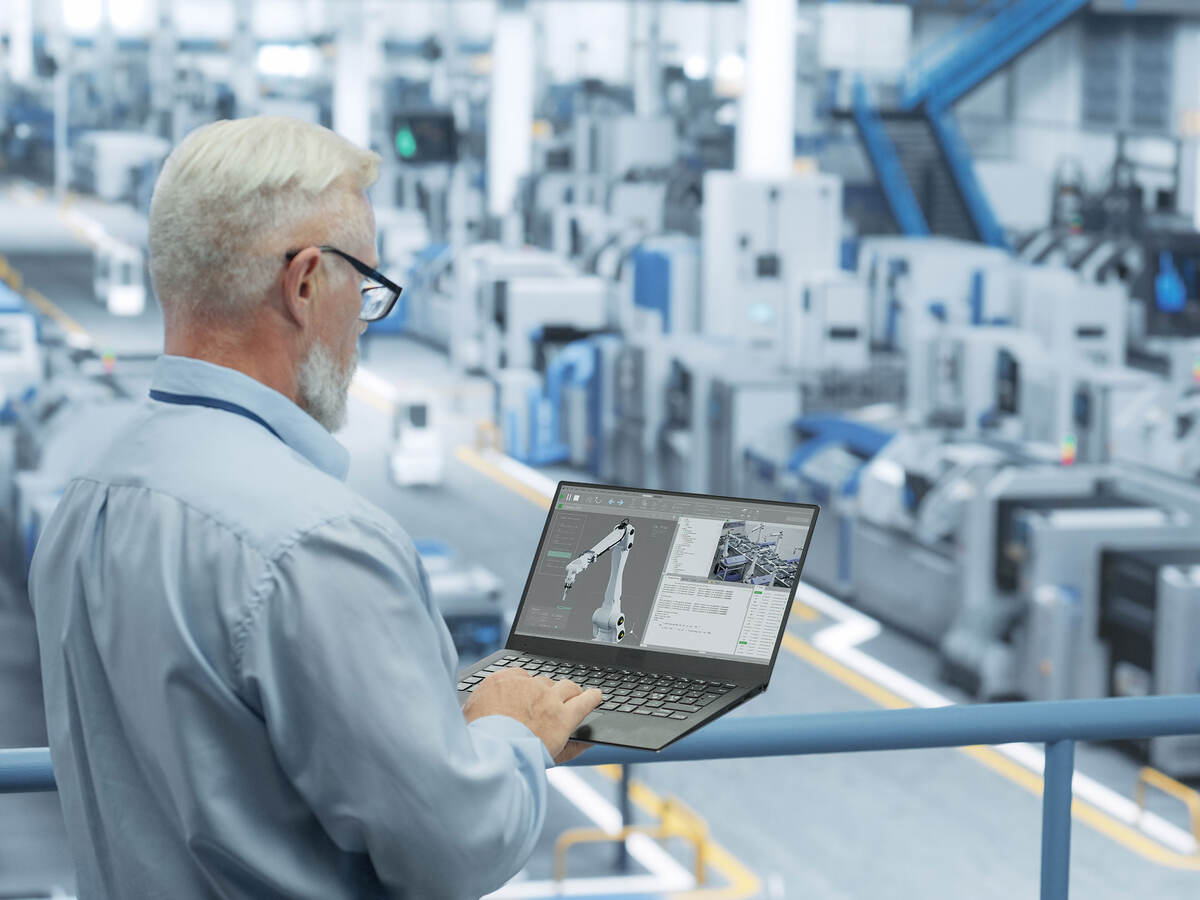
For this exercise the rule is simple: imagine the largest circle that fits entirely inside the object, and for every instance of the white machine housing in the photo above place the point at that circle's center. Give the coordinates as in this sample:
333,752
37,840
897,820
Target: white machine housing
908,278
761,235
516,307
119,277
826,323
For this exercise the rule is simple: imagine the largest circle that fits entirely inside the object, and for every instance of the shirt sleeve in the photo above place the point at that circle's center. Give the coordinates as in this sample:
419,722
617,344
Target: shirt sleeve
354,676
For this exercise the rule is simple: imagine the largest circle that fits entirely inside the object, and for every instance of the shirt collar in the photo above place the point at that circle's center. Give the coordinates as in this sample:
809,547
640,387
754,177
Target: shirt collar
299,430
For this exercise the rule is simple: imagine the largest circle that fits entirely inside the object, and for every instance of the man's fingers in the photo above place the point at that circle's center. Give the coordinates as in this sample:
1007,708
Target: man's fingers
582,704
516,673
566,689
570,751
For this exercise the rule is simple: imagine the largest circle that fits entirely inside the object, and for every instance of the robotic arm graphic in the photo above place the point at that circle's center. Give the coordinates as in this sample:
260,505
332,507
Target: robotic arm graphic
608,622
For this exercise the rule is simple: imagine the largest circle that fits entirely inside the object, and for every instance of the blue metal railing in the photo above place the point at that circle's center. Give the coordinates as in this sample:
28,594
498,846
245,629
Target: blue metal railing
1058,725
945,45
989,46
887,165
957,155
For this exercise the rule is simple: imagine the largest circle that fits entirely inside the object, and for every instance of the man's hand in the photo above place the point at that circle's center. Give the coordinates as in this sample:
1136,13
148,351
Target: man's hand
550,709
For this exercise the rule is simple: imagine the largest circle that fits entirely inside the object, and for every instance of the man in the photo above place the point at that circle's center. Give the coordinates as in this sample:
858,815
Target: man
249,693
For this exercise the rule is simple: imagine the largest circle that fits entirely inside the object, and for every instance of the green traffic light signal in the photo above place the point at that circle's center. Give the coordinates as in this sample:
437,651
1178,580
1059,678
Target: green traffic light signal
406,144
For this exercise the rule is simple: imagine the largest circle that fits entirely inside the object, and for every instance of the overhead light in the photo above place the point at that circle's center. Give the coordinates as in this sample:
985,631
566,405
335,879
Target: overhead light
695,68
730,76
726,114
731,68
287,60
81,15
129,16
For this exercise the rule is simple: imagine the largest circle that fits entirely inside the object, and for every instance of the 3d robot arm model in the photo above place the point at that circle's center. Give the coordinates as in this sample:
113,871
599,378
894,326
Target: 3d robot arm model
608,622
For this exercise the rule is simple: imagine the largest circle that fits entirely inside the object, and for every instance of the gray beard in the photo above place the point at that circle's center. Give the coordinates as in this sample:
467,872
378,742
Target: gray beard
323,387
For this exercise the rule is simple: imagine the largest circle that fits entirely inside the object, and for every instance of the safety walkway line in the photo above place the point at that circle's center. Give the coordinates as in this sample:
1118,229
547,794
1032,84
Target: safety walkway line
1097,805
742,882
488,466
666,874
43,304
996,760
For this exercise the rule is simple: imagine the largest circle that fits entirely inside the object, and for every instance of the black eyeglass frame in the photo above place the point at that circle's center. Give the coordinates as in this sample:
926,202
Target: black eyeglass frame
363,269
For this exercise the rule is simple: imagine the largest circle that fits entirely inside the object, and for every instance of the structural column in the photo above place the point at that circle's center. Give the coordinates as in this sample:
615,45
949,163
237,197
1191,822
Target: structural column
352,75
163,47
645,38
19,28
510,107
766,126
245,59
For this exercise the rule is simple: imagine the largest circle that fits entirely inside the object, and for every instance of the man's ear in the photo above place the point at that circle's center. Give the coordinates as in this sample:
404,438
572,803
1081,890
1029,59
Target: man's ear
300,286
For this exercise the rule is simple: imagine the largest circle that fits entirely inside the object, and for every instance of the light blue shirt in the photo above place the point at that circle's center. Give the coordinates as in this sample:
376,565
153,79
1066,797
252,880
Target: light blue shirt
248,690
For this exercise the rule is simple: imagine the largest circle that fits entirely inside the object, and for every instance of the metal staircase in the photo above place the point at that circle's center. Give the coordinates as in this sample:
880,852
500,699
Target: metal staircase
917,150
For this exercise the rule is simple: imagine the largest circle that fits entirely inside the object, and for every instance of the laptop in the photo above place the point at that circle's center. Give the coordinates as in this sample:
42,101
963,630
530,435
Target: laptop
673,604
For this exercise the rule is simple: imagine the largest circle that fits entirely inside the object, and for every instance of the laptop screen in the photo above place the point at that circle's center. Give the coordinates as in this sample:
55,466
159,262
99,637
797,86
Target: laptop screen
703,576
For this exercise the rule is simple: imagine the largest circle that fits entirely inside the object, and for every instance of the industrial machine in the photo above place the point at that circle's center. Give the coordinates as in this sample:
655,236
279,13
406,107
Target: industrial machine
1150,620
521,311
741,406
905,538
819,458
717,397
22,366
119,276
825,323
1069,313
480,269
762,237
641,369
416,455
608,622
110,164
916,284
665,291
572,418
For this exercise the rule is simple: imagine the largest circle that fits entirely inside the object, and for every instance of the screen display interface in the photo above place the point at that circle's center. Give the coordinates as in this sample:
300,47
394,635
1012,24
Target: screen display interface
694,575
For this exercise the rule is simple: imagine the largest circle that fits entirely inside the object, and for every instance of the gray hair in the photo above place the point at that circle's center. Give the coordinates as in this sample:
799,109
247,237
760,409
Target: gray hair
233,194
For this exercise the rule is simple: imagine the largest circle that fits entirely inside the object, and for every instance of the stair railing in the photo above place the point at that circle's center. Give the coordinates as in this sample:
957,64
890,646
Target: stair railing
992,45
946,45
886,161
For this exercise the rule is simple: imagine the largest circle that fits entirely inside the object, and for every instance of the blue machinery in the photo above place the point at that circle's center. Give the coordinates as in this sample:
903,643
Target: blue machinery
986,40
578,365
1058,725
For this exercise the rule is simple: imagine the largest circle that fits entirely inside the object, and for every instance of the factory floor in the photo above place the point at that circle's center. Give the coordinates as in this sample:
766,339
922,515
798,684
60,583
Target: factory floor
932,823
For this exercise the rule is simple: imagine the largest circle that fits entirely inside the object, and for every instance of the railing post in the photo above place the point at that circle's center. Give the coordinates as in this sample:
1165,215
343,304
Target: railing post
1056,819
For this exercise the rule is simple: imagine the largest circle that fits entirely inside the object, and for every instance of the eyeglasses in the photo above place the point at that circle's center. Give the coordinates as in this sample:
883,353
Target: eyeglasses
379,293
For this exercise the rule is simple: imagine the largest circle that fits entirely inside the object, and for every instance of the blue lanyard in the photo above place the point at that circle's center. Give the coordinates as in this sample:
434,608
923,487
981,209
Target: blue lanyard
213,403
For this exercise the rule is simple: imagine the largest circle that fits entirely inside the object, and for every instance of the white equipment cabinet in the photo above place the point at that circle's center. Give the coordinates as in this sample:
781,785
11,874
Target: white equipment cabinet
761,235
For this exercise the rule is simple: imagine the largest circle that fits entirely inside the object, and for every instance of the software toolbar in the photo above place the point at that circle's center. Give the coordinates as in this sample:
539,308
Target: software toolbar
670,506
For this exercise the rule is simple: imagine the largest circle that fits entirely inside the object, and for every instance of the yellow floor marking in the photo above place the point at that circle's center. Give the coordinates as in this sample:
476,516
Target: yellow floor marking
1100,821
805,612
741,881
481,464
43,303
1097,819
843,673
372,397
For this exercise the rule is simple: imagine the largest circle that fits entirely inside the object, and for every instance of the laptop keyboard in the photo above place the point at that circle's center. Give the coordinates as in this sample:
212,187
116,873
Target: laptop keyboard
625,690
